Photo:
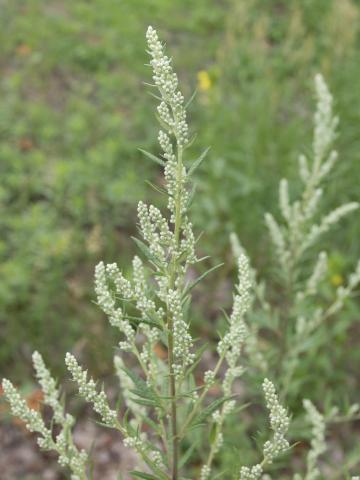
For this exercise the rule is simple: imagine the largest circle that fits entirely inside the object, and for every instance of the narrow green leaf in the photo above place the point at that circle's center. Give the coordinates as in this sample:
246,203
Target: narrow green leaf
137,320
202,259
209,410
225,315
145,476
212,435
154,95
197,162
152,157
163,124
197,359
205,274
184,459
152,424
145,250
146,395
191,99
144,402
191,197
240,408
156,188
191,141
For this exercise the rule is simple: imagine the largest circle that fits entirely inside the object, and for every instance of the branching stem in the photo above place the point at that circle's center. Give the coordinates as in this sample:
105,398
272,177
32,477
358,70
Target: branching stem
172,379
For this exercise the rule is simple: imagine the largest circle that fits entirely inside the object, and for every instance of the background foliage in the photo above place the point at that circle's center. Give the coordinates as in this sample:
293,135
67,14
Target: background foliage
73,113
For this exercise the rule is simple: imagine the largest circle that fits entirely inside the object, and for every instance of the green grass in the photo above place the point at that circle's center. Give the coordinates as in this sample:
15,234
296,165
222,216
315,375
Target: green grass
73,113
74,110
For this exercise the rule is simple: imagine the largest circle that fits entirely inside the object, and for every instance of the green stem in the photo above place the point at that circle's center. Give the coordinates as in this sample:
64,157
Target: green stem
172,380
214,445
199,401
162,475
174,451
148,375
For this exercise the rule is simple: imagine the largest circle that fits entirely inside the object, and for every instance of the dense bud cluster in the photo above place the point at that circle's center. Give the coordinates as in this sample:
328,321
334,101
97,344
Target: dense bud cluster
318,445
62,443
51,394
87,389
107,300
166,80
319,272
205,472
70,456
300,232
32,418
279,422
231,344
182,338
251,473
324,121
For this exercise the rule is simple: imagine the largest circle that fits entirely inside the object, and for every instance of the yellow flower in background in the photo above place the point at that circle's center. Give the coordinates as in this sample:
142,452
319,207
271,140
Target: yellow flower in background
337,279
204,81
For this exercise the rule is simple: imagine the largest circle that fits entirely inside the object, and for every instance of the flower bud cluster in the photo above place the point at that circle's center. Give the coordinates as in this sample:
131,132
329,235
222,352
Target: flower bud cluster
205,472
251,473
232,342
284,200
320,270
299,232
69,455
230,375
157,459
327,222
278,239
173,118
106,298
318,445
87,389
155,231
182,339
51,393
32,418
133,442
176,188
122,285
354,278
144,304
310,207
174,182
279,422
187,244
324,121
171,110
209,377
218,442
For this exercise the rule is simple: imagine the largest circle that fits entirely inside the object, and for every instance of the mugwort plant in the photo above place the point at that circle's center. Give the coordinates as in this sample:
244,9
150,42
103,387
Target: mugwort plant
163,404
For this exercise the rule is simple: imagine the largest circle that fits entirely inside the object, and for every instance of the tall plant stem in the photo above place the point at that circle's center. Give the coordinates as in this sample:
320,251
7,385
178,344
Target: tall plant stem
199,401
174,438
172,380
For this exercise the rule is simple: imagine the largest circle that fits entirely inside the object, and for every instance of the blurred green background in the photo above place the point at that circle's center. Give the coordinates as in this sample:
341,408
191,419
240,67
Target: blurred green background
74,110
